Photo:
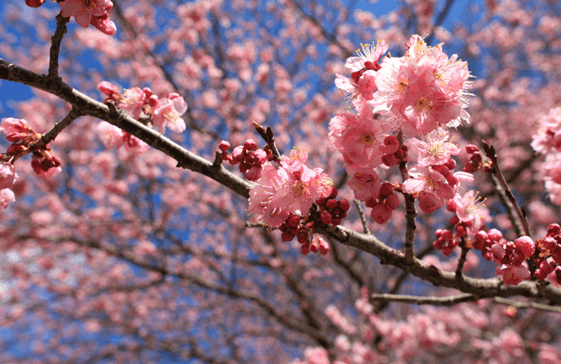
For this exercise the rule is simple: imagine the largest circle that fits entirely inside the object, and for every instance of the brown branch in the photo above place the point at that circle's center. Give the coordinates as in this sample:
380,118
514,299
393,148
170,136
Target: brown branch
422,300
58,128
56,40
88,106
462,259
497,174
410,212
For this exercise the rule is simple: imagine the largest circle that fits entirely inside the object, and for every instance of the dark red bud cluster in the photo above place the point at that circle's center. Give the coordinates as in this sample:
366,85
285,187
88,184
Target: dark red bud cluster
393,153
383,206
249,156
332,211
327,211
550,246
447,170
475,161
43,159
446,241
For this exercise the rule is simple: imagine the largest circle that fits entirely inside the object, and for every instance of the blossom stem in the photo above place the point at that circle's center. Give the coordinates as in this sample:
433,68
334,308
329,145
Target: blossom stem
410,212
362,217
462,260
499,179
56,40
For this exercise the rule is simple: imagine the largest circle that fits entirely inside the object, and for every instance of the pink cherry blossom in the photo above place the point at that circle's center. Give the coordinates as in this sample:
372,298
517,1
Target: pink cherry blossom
426,179
280,192
84,11
436,150
365,185
110,135
468,206
16,129
512,275
132,101
7,175
168,113
6,196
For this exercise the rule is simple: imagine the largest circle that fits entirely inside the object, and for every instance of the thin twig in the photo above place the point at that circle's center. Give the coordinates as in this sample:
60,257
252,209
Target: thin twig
462,260
461,298
362,217
56,40
496,170
423,300
58,128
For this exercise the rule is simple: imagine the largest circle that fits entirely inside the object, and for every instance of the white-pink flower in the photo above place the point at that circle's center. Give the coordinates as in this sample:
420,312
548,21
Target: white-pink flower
368,53
426,179
88,12
168,113
436,150
365,184
110,135
512,275
7,175
133,100
6,196
280,192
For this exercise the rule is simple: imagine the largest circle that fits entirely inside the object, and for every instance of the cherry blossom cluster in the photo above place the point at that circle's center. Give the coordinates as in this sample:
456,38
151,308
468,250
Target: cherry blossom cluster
141,104
86,12
326,211
471,215
547,141
292,188
163,112
250,158
417,95
23,138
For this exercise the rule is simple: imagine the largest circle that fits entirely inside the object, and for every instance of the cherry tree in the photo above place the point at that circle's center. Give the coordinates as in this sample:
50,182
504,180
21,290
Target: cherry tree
280,182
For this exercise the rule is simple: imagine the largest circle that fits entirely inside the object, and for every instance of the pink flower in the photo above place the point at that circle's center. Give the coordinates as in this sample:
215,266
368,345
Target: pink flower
381,213
168,113
6,196
133,144
548,136
110,135
365,185
89,11
512,275
436,150
359,139
7,175
16,129
280,192
425,179
132,101
468,206
368,57
425,88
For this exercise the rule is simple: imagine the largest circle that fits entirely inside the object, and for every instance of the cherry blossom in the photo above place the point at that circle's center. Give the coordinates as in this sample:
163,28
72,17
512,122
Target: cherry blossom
90,11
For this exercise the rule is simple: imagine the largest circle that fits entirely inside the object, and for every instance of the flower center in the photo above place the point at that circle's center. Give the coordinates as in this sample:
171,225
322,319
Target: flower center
367,140
423,104
299,189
